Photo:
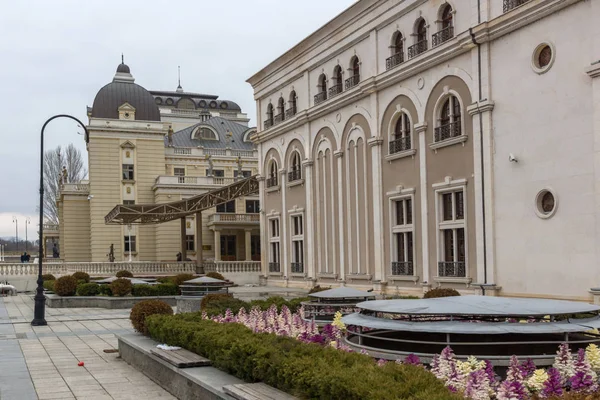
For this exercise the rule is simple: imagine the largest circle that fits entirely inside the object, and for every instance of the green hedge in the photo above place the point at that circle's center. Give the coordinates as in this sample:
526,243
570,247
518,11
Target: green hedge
104,290
217,304
162,289
49,285
88,289
301,369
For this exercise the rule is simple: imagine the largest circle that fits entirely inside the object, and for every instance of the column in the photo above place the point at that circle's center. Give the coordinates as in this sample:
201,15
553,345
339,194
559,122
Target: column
283,246
420,130
248,238
217,245
342,249
593,72
309,232
378,245
198,236
183,244
264,233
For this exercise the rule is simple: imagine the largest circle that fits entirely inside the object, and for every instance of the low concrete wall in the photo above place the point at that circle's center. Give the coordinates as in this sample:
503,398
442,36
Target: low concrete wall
112,303
185,384
242,278
23,283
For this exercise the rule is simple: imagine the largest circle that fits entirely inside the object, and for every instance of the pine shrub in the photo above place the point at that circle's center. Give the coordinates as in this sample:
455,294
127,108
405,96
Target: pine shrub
440,292
215,275
48,277
143,309
88,289
180,278
81,276
124,274
120,287
65,286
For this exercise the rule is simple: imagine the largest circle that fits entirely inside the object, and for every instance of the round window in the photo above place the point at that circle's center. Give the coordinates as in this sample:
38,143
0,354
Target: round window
545,204
543,58
169,101
158,100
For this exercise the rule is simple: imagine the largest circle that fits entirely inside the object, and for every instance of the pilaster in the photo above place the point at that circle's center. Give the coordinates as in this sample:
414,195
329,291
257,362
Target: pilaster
420,130
342,248
378,245
284,233
308,176
593,72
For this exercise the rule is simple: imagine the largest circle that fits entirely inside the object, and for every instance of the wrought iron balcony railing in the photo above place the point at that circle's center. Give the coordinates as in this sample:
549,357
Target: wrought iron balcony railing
352,81
297,268
335,90
510,4
394,60
448,131
402,268
278,119
443,35
272,181
320,97
417,48
274,267
452,269
268,123
294,175
290,112
400,144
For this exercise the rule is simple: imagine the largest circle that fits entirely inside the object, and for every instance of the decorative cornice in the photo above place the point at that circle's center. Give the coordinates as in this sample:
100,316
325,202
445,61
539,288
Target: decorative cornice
375,141
421,127
338,154
307,163
480,107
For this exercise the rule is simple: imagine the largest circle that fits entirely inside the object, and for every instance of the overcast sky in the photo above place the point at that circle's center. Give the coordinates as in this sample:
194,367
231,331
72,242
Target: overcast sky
57,54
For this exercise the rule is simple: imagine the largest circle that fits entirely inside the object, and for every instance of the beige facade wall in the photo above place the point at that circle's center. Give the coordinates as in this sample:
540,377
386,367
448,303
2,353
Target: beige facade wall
75,228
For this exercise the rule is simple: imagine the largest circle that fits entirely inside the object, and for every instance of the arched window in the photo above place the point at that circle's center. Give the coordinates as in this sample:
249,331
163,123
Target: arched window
397,48
280,111
295,167
355,71
401,137
204,133
446,26
321,96
337,82
269,121
272,179
449,120
293,108
420,45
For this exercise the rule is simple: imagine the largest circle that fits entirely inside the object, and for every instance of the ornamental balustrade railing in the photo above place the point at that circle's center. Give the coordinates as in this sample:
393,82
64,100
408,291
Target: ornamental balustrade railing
440,37
274,267
290,112
510,4
394,60
278,119
50,227
76,187
232,266
320,97
215,152
294,175
230,217
201,152
402,268
101,268
272,181
336,89
268,123
193,180
297,268
417,48
352,81
447,131
452,269
400,144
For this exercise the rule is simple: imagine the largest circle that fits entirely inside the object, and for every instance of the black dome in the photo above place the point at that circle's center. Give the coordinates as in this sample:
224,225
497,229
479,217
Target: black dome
123,68
112,96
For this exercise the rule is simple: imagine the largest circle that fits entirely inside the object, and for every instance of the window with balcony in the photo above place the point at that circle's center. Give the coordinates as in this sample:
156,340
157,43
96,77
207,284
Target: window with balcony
217,173
274,241
451,225
252,206
228,207
355,73
397,48
190,243
338,82
297,244
420,35
128,174
401,138
179,171
128,202
446,31
280,111
321,95
272,180
510,4
269,121
290,112
295,172
402,236
449,124
129,244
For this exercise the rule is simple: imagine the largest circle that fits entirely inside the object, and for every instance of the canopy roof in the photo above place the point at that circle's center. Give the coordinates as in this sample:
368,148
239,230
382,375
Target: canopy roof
205,279
479,305
342,292
134,281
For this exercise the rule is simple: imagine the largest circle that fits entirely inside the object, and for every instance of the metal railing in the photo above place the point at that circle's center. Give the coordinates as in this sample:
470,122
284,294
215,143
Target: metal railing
290,112
417,48
278,119
297,268
294,175
394,60
447,131
272,181
320,97
352,81
402,268
400,144
510,4
230,217
268,123
335,90
443,35
452,269
274,267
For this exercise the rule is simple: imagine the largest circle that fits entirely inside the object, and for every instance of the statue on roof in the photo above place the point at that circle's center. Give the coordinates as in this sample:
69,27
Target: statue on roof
210,165
65,175
239,167
170,136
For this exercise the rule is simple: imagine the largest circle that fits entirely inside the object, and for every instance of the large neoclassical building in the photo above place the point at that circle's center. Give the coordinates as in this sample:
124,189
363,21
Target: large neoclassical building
152,147
421,143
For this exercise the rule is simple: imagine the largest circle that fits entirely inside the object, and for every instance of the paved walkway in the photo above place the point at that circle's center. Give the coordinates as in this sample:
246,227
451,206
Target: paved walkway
41,362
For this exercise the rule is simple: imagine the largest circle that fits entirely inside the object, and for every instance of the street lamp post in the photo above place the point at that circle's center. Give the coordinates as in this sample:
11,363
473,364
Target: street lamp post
1,253
16,221
27,222
39,309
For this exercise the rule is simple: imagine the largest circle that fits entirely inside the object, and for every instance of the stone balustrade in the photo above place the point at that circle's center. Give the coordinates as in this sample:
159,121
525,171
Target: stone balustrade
99,268
225,267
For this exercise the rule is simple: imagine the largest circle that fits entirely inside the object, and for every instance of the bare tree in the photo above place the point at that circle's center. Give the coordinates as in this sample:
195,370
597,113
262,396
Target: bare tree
54,162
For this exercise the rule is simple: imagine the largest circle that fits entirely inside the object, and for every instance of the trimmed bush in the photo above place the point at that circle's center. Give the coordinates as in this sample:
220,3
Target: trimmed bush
440,292
49,285
120,287
279,301
217,304
104,290
318,288
308,371
48,277
88,289
81,276
162,289
143,309
65,286
215,275
167,289
179,279
124,274
141,290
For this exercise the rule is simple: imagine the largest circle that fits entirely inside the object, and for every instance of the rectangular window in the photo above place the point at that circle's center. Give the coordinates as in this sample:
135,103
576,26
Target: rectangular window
217,173
245,174
128,172
252,206
179,171
297,229
402,236
275,228
128,202
228,207
452,242
403,212
189,242
297,225
274,254
129,244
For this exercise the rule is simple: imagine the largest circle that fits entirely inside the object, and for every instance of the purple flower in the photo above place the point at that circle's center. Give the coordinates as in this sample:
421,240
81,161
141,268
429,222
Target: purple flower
478,385
412,359
552,386
491,375
511,390
514,371
381,362
527,368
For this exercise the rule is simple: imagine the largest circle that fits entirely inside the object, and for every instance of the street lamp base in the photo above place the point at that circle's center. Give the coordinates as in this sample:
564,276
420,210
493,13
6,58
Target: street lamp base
39,322
39,310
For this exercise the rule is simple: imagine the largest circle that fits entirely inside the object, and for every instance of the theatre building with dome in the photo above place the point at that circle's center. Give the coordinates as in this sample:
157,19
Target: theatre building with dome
153,147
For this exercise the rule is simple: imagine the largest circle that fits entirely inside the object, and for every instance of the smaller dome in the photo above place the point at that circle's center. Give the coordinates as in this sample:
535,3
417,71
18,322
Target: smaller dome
124,68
